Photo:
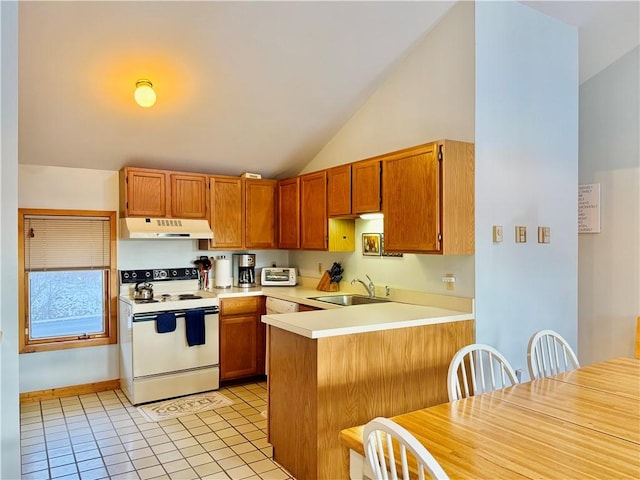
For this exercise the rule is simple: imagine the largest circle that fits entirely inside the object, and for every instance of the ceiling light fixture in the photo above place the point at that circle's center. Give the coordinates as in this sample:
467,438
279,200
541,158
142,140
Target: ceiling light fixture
145,95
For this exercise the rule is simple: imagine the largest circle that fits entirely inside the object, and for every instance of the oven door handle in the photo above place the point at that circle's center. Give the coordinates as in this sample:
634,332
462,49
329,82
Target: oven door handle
179,314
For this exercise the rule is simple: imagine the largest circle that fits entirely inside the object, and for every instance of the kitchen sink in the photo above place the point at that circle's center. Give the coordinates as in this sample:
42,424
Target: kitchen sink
347,300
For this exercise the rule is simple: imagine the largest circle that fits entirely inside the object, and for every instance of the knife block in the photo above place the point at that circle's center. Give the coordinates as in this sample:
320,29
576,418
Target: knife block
326,285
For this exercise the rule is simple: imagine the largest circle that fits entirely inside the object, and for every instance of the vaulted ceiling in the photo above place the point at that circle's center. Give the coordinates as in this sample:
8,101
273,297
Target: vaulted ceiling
242,86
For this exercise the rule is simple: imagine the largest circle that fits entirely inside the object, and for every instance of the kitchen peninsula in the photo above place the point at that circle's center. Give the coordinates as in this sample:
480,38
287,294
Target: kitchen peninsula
331,369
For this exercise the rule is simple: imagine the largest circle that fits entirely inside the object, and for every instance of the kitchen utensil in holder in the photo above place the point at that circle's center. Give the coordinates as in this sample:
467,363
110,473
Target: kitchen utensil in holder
326,285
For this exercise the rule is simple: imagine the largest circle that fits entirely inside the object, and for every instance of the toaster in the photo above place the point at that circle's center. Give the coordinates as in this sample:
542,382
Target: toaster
278,276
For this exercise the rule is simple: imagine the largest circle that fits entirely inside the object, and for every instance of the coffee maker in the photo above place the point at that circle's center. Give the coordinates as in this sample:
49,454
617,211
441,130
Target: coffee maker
244,272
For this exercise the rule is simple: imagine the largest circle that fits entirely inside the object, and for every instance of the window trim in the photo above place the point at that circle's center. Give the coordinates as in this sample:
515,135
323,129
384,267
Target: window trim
111,300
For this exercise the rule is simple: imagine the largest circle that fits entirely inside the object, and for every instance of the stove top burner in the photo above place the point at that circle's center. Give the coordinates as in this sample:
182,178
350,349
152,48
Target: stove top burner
167,297
146,300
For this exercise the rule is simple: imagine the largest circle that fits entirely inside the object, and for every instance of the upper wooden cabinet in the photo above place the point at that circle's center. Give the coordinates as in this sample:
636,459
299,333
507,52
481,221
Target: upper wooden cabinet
365,186
243,213
428,199
317,231
143,192
339,191
227,215
160,193
313,211
260,213
289,213
188,195
353,189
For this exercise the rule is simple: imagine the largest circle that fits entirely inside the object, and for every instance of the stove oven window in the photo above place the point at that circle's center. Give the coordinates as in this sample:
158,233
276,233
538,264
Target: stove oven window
67,265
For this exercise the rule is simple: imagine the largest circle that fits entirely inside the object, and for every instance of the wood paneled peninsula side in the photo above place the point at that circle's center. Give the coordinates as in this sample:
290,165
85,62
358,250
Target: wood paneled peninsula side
332,369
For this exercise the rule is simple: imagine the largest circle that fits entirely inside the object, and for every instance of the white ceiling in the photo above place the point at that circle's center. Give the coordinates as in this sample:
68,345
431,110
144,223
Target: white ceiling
242,86
606,29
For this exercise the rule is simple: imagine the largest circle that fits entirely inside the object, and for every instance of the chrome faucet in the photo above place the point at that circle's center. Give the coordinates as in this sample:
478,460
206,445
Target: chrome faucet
371,288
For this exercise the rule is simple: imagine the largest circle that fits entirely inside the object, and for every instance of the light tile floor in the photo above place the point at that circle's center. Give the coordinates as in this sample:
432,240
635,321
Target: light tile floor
102,435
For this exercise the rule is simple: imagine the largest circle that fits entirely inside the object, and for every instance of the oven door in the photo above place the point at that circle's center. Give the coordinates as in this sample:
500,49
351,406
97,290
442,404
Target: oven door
161,353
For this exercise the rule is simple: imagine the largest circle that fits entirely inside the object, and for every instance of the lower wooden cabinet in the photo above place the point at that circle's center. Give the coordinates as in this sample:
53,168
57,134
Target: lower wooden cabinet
242,337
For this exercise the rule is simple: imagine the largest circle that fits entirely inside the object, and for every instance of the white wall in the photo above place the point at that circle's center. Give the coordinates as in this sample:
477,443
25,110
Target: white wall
526,174
75,188
429,96
67,188
609,261
9,404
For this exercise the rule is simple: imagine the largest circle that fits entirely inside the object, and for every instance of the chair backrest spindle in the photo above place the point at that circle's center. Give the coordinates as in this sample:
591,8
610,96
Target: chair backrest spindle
548,354
485,367
382,438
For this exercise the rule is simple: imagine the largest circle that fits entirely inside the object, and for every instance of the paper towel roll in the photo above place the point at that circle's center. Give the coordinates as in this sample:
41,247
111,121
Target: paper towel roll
223,273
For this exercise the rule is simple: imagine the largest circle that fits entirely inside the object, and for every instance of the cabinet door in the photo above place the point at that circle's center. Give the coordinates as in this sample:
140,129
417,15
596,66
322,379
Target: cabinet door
313,211
411,199
289,213
339,191
260,203
261,329
145,192
238,344
188,195
227,212
365,186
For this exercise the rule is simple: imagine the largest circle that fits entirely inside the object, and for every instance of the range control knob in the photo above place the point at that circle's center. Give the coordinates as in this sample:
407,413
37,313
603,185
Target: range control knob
160,274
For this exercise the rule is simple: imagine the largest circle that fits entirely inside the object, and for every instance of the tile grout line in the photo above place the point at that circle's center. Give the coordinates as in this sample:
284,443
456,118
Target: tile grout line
238,455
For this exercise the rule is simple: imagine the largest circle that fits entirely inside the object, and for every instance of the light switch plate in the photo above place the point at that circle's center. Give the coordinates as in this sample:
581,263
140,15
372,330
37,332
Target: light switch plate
521,234
497,233
544,235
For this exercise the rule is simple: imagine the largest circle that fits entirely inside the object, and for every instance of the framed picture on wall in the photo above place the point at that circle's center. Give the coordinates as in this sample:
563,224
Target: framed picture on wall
371,244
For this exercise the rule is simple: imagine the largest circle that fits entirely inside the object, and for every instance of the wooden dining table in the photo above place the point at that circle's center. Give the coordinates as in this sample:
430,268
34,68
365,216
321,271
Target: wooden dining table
576,425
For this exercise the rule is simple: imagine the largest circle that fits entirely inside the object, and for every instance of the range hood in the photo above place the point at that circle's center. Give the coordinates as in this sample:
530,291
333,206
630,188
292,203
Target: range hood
165,228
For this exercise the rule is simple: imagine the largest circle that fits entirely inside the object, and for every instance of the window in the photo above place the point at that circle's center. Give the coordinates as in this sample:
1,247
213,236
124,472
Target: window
67,279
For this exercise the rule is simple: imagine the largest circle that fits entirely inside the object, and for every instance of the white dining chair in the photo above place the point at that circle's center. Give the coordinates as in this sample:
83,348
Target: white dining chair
478,368
387,443
549,353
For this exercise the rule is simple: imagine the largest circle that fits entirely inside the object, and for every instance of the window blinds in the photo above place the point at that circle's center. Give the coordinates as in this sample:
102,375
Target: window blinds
66,243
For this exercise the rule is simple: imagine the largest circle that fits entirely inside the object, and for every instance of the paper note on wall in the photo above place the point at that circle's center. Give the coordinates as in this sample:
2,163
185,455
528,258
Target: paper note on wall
589,208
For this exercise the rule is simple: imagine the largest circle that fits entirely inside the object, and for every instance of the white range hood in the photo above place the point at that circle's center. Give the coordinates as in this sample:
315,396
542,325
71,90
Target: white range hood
164,228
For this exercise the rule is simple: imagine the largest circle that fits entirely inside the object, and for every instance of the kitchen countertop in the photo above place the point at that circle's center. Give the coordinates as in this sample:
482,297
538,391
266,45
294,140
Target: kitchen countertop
335,320
298,294
362,319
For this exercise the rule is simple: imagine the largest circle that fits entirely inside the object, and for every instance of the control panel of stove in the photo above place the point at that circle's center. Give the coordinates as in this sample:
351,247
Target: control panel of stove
158,275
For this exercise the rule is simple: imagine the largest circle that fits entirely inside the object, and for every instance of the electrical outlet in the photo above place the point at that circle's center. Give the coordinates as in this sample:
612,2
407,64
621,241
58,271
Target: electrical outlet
449,280
497,233
319,267
521,234
519,374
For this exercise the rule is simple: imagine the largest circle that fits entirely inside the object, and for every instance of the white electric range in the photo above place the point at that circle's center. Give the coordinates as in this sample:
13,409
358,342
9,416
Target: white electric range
155,366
